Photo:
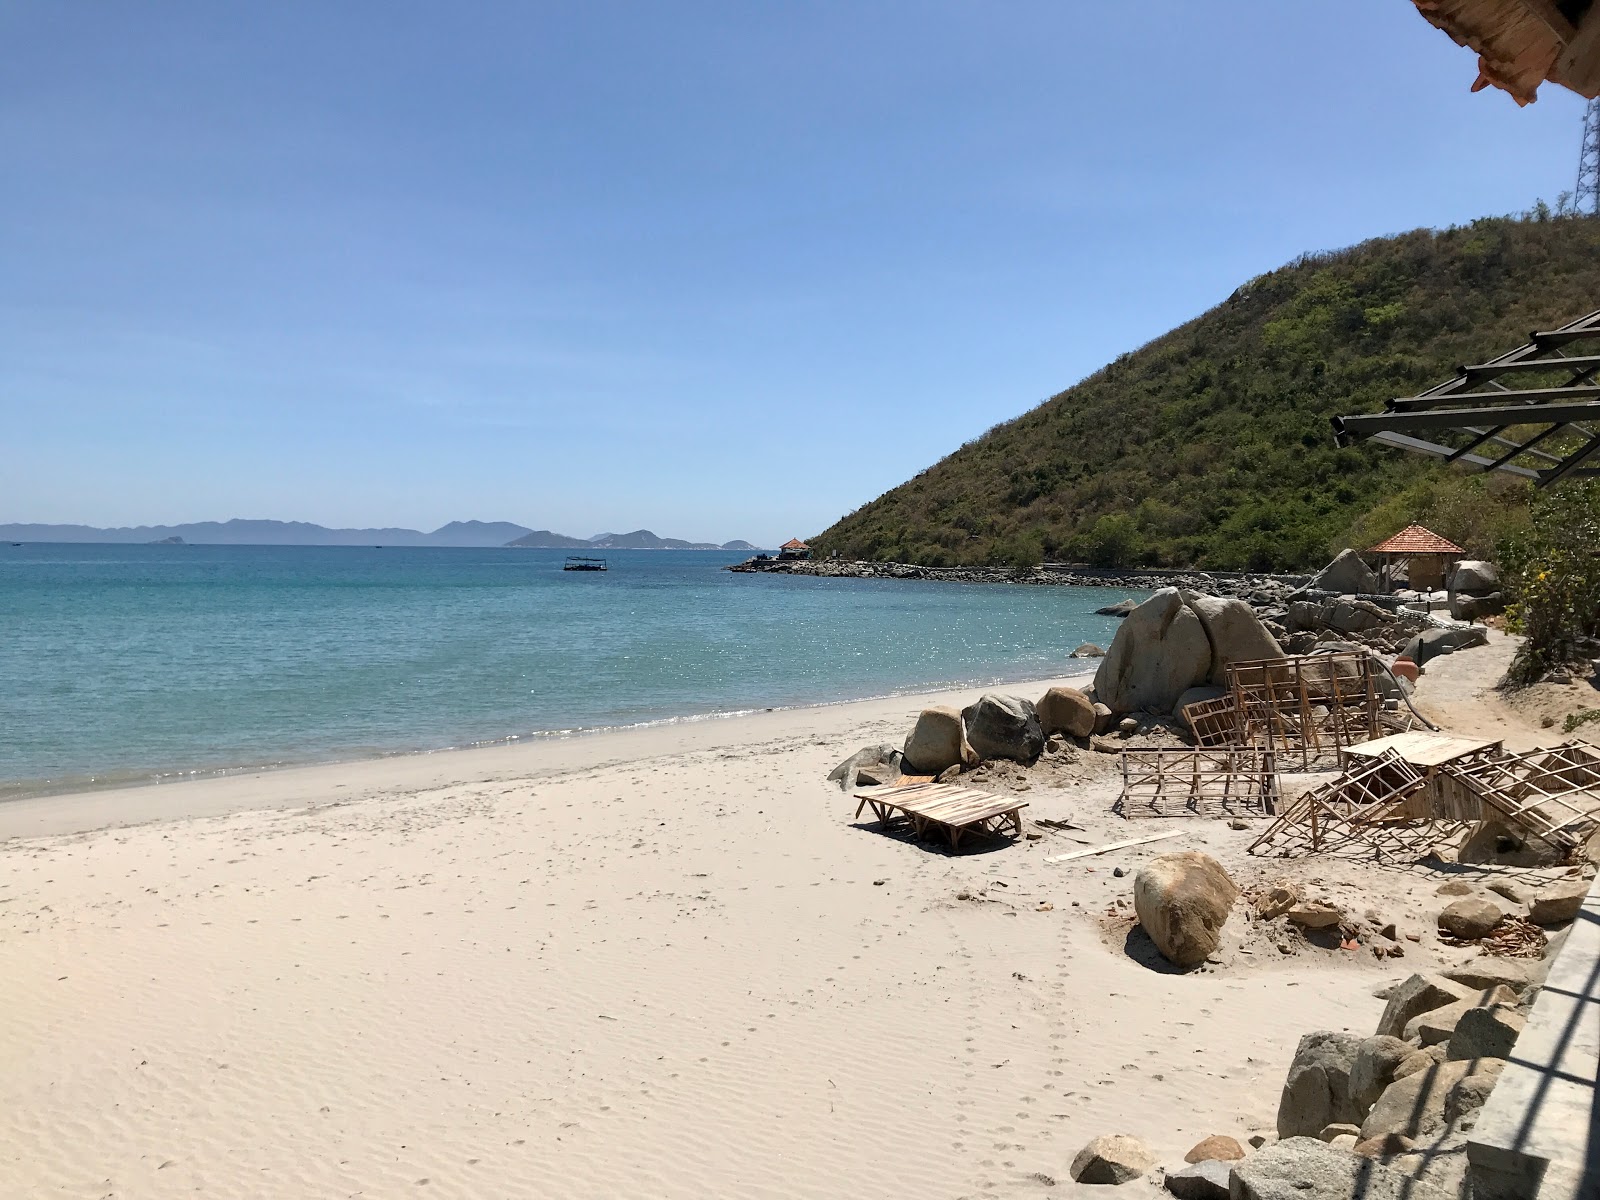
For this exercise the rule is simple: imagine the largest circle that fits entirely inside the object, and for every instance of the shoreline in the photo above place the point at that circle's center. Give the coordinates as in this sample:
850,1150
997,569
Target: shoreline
1149,579
224,791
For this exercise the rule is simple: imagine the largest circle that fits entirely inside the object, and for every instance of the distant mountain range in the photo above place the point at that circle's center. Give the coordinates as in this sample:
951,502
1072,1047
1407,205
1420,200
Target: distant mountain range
300,533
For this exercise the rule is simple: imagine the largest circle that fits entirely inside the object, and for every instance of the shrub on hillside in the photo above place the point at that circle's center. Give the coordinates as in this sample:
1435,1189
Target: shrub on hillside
1552,572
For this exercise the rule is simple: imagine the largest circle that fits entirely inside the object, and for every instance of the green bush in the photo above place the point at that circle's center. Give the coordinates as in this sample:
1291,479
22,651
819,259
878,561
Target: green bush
1552,574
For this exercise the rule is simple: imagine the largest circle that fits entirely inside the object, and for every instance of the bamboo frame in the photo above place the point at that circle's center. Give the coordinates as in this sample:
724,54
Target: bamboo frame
1307,706
1372,808
1552,793
1214,722
1183,782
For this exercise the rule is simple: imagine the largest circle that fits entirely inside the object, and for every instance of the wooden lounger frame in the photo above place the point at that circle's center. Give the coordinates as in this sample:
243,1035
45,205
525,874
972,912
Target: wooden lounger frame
944,807
1213,722
1176,781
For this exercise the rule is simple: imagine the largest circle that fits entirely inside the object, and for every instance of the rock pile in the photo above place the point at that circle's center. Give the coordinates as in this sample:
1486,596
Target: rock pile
1474,591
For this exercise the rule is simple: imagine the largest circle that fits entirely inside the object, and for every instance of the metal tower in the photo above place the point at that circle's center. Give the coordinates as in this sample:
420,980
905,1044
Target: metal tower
1587,199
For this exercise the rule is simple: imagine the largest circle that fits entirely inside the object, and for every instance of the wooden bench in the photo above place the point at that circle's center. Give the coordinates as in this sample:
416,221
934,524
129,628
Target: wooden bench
944,806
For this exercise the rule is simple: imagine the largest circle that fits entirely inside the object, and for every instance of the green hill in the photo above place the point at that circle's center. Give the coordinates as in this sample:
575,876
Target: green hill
1211,445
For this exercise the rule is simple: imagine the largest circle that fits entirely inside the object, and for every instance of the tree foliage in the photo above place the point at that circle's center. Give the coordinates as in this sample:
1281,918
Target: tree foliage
1211,445
1552,572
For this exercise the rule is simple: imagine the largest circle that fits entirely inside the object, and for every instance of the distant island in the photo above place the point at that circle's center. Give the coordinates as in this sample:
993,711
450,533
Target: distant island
301,533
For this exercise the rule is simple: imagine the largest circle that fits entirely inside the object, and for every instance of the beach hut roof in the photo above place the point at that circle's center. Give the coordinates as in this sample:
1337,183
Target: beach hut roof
794,544
1415,540
1523,43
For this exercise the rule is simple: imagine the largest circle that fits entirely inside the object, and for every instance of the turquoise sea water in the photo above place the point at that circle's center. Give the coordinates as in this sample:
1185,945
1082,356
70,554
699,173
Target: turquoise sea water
123,664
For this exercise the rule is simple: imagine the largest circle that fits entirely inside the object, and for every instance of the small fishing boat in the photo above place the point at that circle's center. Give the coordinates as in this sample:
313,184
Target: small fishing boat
577,562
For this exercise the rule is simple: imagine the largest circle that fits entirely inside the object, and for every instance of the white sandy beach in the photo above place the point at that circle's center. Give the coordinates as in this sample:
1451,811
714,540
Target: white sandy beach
661,962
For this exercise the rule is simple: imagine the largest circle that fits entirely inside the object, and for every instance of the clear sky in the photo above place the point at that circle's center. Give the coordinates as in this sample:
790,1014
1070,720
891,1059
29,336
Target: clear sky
722,269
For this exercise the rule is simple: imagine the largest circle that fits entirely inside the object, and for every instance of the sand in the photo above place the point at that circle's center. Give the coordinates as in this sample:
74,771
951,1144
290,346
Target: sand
663,962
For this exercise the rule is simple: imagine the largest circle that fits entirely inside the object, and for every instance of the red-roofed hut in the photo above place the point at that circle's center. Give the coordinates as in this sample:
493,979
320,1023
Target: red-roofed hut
794,548
1428,557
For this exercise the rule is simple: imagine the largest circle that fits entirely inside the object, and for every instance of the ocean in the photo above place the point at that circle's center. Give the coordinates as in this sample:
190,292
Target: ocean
135,664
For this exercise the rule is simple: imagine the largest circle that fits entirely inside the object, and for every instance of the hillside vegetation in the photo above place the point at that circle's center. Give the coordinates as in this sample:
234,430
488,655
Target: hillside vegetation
1211,445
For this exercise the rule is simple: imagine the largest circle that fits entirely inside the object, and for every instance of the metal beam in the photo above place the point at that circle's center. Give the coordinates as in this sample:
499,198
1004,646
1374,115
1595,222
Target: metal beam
1401,442
1530,397
1586,364
1456,418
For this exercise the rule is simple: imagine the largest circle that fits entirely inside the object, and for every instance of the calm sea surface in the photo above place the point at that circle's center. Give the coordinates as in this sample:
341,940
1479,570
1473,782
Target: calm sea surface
123,664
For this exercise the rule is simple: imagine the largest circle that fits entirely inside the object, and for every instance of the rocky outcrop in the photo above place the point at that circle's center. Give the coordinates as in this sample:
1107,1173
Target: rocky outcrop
1065,710
1317,1092
1234,631
1160,651
880,765
1120,609
1346,575
1303,1168
1088,650
1415,996
937,742
1373,1069
1116,1158
1415,1105
1003,727
1474,591
1182,902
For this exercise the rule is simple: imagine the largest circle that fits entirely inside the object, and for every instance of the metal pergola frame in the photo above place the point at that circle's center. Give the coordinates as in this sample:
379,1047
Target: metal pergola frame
1544,432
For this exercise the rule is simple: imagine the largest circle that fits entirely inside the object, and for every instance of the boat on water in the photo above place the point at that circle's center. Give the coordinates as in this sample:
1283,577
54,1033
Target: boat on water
578,562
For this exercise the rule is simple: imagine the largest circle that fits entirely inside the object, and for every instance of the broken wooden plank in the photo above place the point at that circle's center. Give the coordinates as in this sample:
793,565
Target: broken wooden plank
1139,841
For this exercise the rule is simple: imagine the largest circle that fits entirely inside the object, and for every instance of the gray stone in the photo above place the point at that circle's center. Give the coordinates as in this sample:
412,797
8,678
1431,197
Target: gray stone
1415,1105
1120,609
1485,1033
1003,727
1302,1168
1303,615
1415,996
1421,1060
1373,1070
1102,717
1116,1158
1475,608
1182,902
1354,616
937,742
1219,1146
1475,577
1558,903
1089,650
1316,1092
1339,1129
886,760
1066,710
1160,651
1314,914
1197,695
1203,1181
1432,643
1470,917
1432,1028
1518,974
1233,630
1346,575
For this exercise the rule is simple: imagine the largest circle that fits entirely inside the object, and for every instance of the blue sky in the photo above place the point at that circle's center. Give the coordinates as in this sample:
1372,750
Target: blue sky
722,269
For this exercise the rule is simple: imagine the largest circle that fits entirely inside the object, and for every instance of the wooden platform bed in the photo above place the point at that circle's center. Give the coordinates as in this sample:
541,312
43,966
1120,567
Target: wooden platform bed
943,807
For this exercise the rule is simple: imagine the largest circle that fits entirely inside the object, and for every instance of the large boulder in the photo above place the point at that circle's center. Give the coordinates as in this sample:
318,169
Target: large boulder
1415,996
1065,710
880,764
1486,1033
1437,1026
1116,1158
1217,1146
1476,608
1182,902
1432,643
1518,974
1373,1069
1355,616
1003,727
1474,577
1470,918
1303,1168
1415,1105
1206,1180
1558,903
1317,1092
1235,633
1347,575
1160,651
937,742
